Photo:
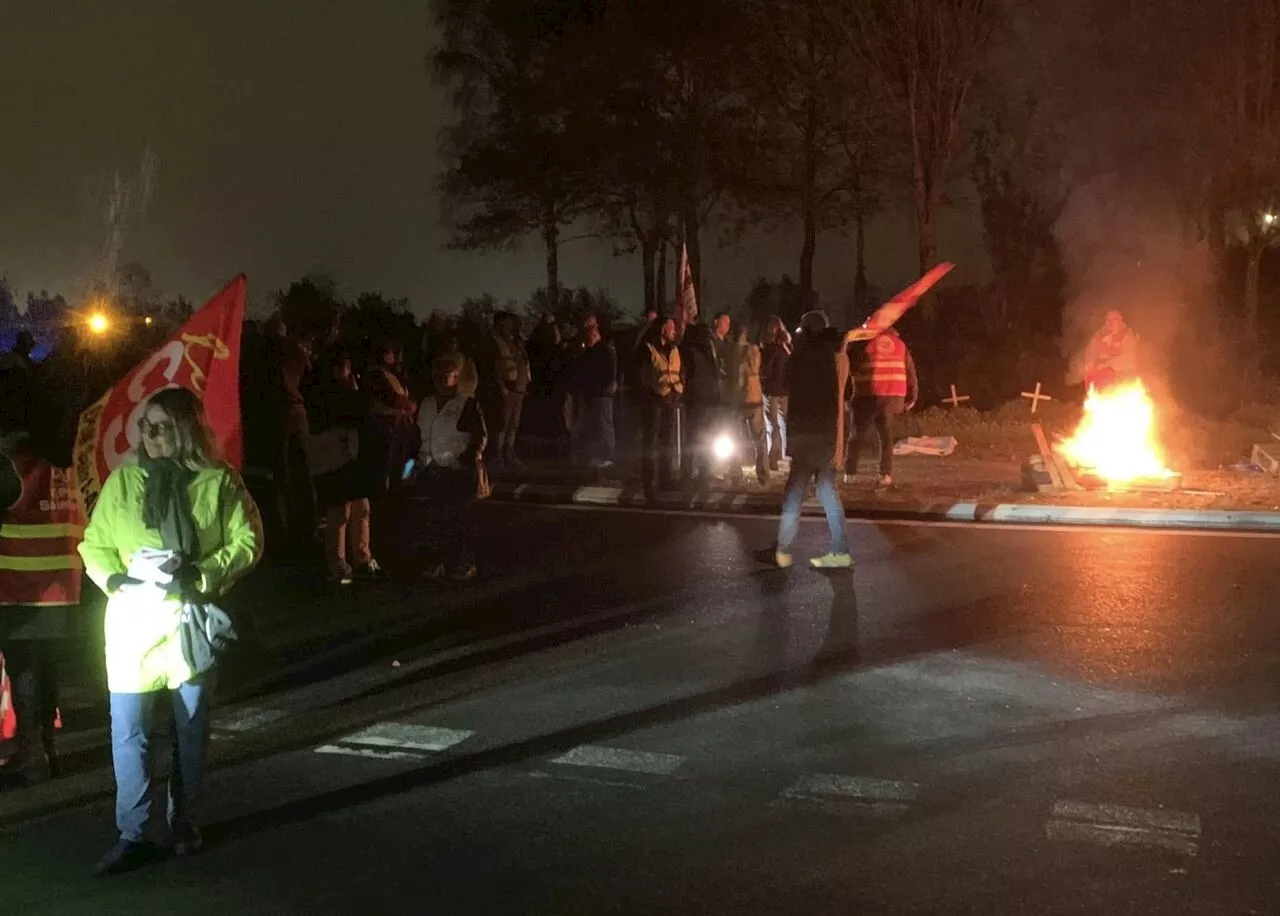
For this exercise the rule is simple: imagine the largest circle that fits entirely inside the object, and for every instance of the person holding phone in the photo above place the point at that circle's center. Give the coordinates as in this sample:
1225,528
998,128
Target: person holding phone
174,524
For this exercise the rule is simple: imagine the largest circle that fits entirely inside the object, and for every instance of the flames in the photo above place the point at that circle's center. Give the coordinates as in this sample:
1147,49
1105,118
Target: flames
1116,438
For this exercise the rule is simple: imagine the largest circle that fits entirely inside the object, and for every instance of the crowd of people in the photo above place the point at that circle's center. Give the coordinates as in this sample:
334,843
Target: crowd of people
334,428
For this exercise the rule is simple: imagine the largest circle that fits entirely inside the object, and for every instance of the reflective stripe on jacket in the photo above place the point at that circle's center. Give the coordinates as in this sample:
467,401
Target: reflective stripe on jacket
662,375
144,652
39,565
884,372
442,442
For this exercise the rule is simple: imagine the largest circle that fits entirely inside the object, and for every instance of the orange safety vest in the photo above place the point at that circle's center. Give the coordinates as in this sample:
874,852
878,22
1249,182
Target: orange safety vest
39,563
884,373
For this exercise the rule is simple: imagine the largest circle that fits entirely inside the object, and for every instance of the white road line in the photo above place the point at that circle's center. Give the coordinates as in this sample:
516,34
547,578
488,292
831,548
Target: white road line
612,758
1117,825
858,788
920,522
582,780
248,718
366,752
408,737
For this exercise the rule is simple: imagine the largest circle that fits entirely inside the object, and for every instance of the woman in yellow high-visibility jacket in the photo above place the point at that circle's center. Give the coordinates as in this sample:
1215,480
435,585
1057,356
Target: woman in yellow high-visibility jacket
173,495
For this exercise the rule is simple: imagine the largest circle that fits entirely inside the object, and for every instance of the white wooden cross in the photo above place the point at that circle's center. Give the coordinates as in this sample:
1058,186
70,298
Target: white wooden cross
955,399
1036,397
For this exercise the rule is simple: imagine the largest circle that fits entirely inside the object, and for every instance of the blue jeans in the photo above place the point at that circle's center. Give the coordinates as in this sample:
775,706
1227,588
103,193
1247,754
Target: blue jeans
797,483
131,718
775,428
596,438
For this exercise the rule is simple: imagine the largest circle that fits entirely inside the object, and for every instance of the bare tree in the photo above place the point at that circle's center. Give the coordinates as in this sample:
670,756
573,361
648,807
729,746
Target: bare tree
514,165
925,56
1241,96
821,141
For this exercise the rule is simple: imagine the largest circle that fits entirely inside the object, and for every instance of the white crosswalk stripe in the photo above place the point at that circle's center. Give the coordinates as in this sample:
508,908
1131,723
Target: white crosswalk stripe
396,741
853,794
612,758
1117,825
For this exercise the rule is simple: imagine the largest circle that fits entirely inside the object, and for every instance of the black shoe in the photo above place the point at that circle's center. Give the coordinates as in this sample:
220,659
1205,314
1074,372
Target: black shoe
123,857
187,841
372,571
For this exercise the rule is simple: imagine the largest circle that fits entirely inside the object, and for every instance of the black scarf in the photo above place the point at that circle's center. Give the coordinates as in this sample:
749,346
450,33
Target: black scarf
166,504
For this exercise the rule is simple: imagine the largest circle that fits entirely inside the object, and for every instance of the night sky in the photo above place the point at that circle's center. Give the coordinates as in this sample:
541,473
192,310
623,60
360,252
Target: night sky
291,136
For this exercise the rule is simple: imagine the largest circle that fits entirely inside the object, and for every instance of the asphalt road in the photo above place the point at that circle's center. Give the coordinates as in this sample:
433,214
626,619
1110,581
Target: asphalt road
650,720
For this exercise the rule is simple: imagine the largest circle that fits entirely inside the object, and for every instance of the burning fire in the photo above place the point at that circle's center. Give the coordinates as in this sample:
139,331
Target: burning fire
1117,439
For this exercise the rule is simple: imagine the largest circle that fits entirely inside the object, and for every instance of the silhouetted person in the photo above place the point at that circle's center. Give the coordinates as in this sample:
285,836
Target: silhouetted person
819,373
20,356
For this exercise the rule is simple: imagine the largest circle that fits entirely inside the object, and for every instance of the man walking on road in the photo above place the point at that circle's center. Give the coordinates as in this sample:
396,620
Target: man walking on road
819,371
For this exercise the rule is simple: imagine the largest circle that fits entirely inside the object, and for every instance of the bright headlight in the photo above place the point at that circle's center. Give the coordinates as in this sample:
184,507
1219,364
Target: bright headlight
722,447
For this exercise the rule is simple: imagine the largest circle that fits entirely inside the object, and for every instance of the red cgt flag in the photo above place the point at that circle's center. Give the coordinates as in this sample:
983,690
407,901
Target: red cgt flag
887,315
203,356
686,296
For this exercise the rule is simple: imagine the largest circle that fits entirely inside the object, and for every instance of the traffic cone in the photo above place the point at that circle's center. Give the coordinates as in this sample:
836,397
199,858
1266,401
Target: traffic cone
8,719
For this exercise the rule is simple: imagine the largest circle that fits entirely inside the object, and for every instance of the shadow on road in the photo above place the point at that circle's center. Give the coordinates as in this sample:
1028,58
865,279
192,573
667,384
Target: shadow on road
838,654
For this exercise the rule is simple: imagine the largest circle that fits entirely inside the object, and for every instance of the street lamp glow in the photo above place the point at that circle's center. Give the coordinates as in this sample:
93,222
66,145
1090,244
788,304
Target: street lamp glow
98,323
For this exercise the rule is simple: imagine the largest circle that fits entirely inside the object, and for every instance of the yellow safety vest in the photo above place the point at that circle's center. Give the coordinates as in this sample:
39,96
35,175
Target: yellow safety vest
664,375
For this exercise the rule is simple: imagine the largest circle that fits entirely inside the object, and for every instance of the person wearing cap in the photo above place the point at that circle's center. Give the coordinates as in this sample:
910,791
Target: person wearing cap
818,371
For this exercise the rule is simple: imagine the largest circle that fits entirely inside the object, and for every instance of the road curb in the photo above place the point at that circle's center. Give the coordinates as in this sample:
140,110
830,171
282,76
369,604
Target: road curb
943,510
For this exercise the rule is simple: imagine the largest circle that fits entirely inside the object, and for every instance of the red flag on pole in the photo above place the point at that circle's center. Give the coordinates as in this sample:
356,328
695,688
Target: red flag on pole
887,315
686,297
203,356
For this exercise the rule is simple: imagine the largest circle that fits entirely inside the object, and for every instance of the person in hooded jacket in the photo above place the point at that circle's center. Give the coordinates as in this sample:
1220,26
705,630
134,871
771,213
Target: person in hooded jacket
174,494
819,372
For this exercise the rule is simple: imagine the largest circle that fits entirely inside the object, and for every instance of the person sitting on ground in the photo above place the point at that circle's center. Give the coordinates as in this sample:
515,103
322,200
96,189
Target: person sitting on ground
450,469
